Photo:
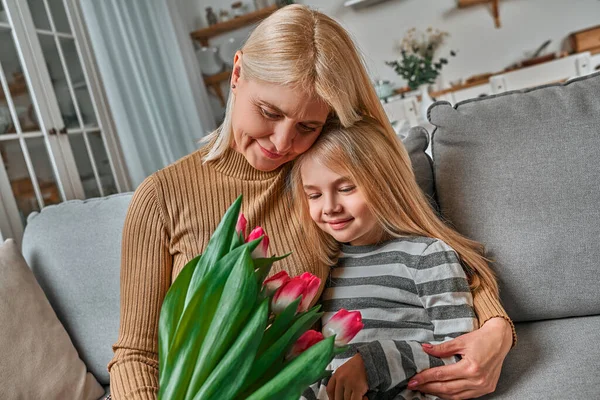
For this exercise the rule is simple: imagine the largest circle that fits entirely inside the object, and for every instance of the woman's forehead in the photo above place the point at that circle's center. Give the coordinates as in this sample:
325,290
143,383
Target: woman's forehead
293,101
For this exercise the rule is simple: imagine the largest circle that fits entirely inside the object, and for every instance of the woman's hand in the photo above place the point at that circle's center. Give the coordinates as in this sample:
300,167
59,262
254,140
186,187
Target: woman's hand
483,352
349,382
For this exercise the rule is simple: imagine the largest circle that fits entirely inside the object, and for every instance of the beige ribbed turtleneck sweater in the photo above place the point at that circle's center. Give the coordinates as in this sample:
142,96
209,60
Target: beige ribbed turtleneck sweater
169,221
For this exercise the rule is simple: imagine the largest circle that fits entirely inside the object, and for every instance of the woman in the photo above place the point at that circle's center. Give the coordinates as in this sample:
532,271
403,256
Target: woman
297,69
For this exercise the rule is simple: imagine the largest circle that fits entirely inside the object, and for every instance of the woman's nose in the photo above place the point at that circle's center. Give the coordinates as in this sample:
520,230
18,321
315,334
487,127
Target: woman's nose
283,136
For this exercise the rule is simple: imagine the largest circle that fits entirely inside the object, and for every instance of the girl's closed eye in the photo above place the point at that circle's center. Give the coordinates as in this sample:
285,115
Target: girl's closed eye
313,196
347,189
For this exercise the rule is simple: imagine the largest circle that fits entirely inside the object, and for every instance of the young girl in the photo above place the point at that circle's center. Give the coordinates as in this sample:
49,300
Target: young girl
395,261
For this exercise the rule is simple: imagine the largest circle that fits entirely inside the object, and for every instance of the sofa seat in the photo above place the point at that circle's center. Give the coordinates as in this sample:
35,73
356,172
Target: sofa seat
553,359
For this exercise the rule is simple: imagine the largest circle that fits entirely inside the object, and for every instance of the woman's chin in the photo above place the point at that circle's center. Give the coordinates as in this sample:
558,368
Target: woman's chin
265,164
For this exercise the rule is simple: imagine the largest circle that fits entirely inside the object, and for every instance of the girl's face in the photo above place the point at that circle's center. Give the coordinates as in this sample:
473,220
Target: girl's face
338,206
273,124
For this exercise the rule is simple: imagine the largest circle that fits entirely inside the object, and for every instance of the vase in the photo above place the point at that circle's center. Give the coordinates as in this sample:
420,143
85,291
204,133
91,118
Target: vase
426,101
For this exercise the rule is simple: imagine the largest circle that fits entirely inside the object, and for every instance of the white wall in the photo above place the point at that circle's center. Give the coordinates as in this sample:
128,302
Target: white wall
481,47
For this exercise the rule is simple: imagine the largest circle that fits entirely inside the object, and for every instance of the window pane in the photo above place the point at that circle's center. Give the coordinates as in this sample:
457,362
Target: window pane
101,157
84,165
18,89
59,16
39,14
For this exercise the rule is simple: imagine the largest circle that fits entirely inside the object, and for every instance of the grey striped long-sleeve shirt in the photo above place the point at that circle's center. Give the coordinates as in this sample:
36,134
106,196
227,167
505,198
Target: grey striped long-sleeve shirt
409,291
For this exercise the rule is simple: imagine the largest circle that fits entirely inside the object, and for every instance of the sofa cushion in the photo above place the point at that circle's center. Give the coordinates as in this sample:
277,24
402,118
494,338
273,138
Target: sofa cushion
74,250
416,142
38,358
555,359
518,172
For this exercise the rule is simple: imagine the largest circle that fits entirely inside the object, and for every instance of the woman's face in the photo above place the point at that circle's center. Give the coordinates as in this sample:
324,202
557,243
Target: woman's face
273,124
338,206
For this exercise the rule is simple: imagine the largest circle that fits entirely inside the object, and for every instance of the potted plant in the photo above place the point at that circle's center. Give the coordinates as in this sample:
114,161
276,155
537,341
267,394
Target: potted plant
417,63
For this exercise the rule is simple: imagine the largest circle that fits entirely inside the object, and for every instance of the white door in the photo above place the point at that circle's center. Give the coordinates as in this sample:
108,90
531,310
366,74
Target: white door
57,141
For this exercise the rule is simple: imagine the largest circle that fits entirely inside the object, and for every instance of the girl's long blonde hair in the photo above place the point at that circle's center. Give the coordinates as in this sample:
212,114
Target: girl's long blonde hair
300,47
379,165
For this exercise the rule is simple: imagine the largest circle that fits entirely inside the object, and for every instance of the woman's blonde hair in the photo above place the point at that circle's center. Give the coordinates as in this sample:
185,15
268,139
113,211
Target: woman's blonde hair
379,165
300,47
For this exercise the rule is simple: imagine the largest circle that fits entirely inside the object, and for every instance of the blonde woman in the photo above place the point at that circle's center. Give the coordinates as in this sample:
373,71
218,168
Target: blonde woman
395,261
297,70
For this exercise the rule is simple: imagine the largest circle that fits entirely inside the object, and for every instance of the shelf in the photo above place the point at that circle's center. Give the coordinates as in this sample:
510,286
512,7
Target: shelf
15,88
202,35
214,82
494,3
361,3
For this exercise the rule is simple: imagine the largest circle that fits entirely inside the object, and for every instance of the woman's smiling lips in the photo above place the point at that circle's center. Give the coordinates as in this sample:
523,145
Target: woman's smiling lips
339,224
269,154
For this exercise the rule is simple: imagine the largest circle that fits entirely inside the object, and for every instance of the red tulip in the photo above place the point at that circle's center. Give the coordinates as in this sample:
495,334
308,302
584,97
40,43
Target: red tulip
312,289
261,250
287,293
345,325
240,227
305,285
307,339
275,282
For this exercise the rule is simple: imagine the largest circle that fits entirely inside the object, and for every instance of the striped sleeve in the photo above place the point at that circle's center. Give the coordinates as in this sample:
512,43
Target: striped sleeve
390,364
444,291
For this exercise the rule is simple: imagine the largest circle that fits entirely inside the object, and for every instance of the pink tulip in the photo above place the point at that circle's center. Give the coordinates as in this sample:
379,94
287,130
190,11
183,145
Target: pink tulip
305,341
305,285
287,293
240,227
345,325
275,282
312,289
261,250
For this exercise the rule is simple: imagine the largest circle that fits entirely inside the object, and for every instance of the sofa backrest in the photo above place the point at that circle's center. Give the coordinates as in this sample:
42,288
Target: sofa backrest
518,171
74,250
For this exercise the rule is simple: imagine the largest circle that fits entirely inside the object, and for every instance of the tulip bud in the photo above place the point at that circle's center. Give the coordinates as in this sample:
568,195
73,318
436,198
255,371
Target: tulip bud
287,293
345,325
312,288
261,250
240,227
275,282
305,341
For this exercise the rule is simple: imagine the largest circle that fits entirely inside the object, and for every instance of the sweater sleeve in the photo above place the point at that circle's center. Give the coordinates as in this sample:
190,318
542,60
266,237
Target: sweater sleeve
145,278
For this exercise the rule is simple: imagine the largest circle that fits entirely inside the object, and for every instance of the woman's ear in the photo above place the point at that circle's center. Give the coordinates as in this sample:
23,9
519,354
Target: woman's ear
237,69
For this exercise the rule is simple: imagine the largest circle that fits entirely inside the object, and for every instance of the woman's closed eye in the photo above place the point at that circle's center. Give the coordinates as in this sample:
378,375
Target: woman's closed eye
268,114
275,116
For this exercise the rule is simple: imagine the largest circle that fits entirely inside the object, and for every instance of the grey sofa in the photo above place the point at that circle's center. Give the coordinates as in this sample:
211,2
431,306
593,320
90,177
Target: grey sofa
517,171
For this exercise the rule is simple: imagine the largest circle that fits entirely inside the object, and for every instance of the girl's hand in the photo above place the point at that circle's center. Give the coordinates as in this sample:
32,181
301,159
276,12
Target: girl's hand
483,352
349,382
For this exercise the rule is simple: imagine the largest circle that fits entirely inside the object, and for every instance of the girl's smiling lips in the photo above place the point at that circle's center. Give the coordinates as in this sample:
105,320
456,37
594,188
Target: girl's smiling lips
338,224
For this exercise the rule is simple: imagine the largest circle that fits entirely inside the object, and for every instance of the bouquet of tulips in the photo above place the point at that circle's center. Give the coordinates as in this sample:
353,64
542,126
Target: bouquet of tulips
227,333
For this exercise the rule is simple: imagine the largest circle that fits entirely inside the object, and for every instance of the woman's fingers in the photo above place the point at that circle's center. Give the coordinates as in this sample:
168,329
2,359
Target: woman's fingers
446,389
439,374
339,392
331,388
446,349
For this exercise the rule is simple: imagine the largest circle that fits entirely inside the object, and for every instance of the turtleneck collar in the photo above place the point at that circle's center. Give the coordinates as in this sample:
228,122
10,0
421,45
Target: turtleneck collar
234,164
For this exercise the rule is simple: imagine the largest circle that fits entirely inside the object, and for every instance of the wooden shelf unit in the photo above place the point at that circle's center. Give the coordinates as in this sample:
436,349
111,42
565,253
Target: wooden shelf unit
16,88
495,8
202,35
